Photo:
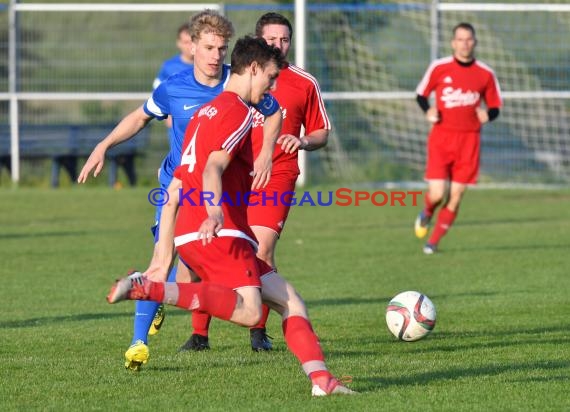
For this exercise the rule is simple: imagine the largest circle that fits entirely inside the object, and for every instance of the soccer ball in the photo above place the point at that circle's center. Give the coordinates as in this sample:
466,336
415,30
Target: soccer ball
410,316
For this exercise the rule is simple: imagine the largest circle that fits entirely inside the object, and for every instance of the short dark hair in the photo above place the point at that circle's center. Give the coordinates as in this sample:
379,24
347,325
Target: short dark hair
272,18
465,26
249,49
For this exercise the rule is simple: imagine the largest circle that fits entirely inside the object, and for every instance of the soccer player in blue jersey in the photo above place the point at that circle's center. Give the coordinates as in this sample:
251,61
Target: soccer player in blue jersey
175,64
179,97
180,62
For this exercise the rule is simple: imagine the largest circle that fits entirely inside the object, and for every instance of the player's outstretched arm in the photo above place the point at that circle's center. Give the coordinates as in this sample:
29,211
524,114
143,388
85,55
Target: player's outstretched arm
263,164
127,128
163,255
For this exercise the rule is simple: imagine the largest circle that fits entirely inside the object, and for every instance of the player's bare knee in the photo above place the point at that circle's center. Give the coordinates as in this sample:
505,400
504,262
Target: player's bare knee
253,317
436,197
266,255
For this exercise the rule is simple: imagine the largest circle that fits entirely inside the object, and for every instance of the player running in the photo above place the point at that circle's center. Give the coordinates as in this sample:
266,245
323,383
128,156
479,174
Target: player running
460,83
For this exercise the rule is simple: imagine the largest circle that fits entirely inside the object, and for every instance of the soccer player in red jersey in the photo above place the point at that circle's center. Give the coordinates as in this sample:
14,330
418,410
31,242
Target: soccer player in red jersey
460,83
299,96
179,97
206,219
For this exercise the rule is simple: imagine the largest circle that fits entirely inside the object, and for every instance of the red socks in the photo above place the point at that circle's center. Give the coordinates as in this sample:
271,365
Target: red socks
445,219
200,323
214,299
304,344
429,206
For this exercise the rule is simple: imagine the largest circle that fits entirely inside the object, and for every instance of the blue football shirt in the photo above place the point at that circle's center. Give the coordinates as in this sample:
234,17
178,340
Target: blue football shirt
180,96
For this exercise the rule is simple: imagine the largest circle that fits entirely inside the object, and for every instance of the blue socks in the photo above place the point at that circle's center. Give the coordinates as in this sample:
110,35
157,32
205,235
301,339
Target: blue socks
144,314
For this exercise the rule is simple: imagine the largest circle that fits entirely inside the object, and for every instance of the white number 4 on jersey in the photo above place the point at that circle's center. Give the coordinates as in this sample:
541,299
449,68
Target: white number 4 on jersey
189,155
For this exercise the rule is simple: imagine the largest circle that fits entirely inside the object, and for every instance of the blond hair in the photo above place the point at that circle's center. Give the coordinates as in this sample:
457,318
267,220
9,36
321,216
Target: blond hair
210,21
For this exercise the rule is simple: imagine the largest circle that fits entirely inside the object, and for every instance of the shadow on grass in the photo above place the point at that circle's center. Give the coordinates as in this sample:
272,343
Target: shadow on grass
458,342
541,379
383,300
496,248
346,301
80,317
216,359
372,383
559,328
526,220
464,345
8,236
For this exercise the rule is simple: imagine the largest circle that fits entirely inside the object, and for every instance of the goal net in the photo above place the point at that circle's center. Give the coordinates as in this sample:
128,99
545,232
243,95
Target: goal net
372,61
90,63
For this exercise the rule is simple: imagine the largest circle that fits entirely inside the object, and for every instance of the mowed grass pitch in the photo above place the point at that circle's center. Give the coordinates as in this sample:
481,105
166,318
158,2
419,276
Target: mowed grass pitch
500,285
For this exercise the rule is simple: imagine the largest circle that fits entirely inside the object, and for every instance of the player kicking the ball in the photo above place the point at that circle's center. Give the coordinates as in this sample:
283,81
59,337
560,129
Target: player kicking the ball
299,95
179,97
214,239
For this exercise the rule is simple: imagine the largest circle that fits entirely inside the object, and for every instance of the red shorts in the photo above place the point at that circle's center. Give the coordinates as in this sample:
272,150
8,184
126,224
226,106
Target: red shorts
270,207
453,156
227,261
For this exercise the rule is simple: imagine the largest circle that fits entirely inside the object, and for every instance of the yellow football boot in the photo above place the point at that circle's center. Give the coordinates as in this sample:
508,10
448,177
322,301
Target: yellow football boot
136,356
421,226
157,321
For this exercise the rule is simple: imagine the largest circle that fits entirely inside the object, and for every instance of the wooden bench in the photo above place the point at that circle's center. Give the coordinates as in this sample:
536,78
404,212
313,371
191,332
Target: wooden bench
66,144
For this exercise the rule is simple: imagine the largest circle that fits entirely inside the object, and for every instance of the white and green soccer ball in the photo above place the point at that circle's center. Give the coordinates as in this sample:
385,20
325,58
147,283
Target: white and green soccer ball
410,316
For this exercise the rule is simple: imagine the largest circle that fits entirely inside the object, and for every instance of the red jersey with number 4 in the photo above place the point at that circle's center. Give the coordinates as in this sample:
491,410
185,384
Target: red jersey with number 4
222,124
459,89
299,96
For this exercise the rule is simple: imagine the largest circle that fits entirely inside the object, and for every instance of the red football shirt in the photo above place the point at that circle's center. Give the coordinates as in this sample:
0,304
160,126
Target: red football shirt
459,89
299,96
222,124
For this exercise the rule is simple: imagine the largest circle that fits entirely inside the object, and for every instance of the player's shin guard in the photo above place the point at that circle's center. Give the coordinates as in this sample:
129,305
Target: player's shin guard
445,220
304,343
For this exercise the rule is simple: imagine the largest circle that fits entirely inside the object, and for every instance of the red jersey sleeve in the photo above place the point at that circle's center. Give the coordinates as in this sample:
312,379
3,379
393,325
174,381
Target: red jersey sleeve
429,82
300,96
493,96
315,113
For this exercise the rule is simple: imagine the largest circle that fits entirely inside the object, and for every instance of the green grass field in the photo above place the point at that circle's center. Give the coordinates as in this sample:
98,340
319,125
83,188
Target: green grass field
500,285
